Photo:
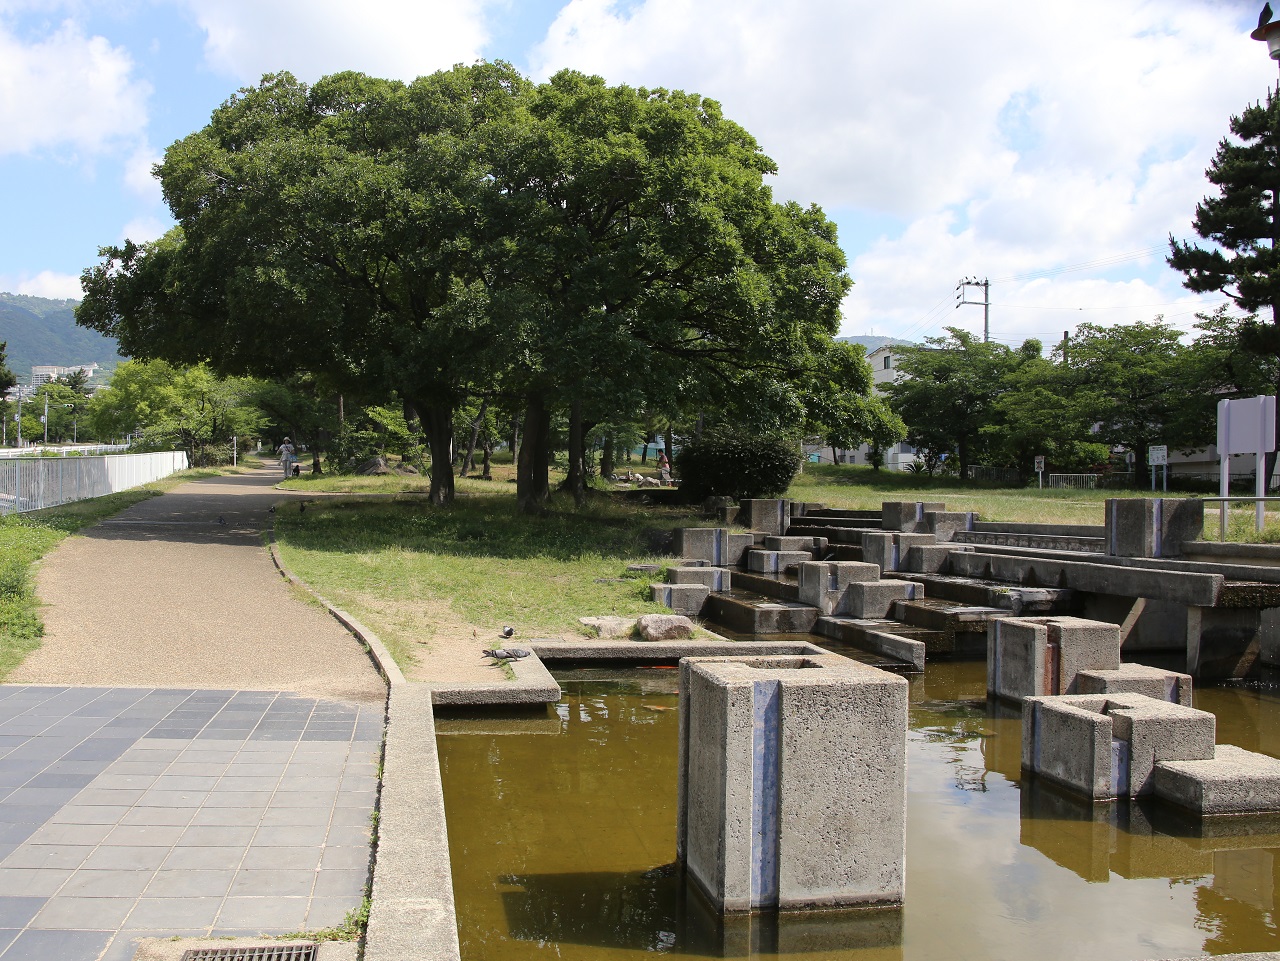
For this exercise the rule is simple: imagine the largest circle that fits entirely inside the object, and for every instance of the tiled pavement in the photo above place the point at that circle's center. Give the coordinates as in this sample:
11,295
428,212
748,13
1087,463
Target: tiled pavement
129,813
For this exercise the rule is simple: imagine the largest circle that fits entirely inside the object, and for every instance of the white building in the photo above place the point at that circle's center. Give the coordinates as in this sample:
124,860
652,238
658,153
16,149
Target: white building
44,374
884,370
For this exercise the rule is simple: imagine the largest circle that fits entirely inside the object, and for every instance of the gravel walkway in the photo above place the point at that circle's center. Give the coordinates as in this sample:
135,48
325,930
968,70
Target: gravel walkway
179,591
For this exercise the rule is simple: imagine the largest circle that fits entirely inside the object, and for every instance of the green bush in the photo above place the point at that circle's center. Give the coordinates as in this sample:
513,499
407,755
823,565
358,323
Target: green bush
733,464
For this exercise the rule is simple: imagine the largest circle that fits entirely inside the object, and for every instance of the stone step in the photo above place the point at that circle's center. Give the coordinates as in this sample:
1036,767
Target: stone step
751,613
979,593
963,626
780,587
885,637
763,561
1047,542
834,535
713,578
836,523
844,552
843,512
687,599
816,546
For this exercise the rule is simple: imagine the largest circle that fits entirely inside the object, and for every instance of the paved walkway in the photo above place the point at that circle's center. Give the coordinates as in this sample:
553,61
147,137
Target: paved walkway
194,749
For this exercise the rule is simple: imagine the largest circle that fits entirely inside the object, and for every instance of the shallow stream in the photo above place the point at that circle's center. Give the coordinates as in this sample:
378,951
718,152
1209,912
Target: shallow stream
562,834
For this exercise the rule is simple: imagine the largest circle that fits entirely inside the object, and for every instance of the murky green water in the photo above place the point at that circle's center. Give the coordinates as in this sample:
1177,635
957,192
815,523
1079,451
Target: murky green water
562,831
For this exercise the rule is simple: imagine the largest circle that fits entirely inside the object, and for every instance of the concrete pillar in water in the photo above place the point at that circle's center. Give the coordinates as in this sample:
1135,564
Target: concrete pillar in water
792,782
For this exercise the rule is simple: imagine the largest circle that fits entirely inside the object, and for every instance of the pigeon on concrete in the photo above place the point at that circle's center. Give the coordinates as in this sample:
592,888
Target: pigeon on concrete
504,654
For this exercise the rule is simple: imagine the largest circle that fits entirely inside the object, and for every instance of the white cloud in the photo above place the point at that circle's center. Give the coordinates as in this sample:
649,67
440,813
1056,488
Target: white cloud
1005,138
47,283
310,38
67,89
145,229
137,173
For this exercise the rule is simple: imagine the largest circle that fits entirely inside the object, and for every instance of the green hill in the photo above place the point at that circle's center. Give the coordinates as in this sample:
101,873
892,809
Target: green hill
42,332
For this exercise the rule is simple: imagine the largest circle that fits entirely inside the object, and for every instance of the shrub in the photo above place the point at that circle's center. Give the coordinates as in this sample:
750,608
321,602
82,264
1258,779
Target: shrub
735,464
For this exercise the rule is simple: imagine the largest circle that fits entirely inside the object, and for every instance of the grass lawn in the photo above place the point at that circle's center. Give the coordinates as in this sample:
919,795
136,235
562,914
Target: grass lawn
25,538
421,575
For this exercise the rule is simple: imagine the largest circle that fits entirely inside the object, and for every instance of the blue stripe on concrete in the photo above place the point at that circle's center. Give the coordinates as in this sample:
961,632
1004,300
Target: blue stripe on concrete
766,761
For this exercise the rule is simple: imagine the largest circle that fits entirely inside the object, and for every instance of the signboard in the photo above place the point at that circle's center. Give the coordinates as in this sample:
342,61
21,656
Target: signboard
1246,426
1158,456
1040,464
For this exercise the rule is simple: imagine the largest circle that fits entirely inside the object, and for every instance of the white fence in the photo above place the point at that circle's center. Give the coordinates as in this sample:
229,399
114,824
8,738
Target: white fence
1090,481
995,475
33,483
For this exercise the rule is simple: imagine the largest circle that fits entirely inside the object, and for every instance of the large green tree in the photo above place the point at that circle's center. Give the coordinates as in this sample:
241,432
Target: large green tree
1243,223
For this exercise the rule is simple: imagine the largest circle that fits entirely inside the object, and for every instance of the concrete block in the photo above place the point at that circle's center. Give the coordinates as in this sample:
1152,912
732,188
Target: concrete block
792,782
813,545
928,558
681,598
1233,781
713,578
1152,526
907,516
1137,679
714,545
775,562
1032,656
1108,746
876,598
823,583
944,525
767,514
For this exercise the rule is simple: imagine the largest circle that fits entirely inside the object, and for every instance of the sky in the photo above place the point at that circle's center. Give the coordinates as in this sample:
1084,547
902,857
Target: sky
1050,148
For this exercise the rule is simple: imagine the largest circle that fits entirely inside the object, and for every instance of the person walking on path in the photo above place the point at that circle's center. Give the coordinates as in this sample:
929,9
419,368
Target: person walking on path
287,454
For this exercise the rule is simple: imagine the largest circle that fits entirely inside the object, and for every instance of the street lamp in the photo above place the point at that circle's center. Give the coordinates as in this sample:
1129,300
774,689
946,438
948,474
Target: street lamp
1269,31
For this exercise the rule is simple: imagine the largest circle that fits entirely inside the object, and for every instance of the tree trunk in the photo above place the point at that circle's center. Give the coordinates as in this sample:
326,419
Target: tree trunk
533,481
315,460
576,481
485,473
468,462
515,438
437,426
606,456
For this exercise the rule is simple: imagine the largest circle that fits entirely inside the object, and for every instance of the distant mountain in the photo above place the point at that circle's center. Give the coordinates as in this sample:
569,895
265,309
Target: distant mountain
43,332
872,342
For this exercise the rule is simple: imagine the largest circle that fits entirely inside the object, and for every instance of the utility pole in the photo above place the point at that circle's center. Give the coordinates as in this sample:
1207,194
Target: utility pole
962,298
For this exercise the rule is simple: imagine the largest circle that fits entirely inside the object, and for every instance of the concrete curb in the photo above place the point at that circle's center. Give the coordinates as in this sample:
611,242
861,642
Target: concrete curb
533,685
412,914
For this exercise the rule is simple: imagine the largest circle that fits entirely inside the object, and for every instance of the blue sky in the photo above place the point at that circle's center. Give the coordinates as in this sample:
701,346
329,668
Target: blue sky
1049,147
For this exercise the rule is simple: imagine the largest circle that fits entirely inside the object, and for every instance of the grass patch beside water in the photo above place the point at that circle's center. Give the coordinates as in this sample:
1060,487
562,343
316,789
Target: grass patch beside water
416,572
25,538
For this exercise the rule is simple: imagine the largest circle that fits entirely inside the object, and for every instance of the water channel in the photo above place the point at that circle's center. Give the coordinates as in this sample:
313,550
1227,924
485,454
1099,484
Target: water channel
562,835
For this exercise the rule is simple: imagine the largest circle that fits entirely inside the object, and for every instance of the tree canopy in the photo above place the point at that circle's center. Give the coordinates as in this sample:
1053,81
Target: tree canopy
570,246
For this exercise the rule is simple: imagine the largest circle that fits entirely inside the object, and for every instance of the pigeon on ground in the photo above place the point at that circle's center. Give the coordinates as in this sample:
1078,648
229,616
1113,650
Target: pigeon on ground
271,509
222,520
508,631
302,508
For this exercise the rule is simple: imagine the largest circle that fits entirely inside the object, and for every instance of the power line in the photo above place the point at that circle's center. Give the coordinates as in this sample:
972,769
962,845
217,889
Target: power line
1110,261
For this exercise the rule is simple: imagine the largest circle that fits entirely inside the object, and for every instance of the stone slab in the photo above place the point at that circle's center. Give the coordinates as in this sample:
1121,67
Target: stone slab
712,578
1137,679
1234,781
682,598
767,514
876,598
533,684
775,562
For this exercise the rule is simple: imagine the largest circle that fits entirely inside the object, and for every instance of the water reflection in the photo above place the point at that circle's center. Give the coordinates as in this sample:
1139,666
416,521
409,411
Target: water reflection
563,845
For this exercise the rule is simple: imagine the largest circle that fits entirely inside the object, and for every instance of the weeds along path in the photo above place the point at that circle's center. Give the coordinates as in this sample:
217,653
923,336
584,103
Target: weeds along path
180,591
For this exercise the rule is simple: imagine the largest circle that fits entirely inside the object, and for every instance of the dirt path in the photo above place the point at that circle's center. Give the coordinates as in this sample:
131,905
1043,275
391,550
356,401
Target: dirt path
179,591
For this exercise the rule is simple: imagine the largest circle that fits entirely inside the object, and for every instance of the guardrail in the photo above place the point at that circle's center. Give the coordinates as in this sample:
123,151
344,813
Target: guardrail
34,483
71,450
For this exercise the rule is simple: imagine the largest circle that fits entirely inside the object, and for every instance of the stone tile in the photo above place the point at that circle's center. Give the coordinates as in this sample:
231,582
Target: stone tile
263,914
250,783
273,883
330,912
350,858
67,913
71,833
165,914
186,783
357,799
138,858
62,779
106,884
188,883
17,912
341,884
350,835
171,799
318,798
301,835
227,817
279,817
217,836
252,768
43,796
48,856
36,945
95,795
156,816
144,835
113,781
256,859
194,859
257,800
85,814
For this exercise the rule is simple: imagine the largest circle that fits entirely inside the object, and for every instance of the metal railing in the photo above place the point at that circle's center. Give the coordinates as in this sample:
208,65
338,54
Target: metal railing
1090,481
1258,502
34,483
74,450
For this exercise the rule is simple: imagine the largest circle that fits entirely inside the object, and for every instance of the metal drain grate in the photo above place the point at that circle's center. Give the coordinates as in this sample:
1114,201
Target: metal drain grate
270,952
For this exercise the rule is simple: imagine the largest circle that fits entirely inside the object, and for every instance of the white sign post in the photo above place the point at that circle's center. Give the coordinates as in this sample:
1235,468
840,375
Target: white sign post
1158,456
1246,426
1040,468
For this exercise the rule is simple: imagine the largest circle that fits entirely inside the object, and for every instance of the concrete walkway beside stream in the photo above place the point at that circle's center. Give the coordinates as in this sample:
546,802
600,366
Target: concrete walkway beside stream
194,749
